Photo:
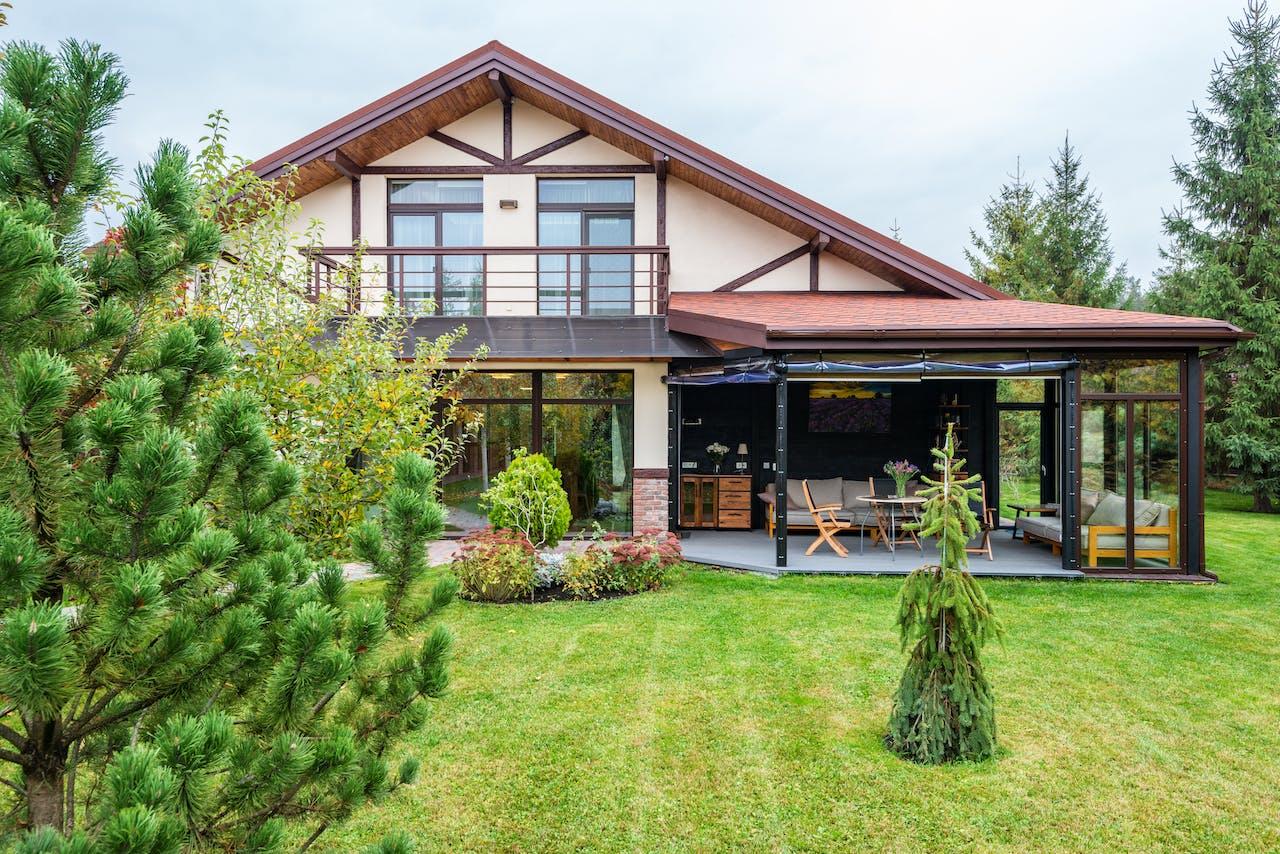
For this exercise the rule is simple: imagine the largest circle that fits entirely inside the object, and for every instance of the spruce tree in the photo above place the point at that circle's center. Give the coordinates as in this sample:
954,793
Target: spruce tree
1073,255
944,709
1004,258
1224,257
174,672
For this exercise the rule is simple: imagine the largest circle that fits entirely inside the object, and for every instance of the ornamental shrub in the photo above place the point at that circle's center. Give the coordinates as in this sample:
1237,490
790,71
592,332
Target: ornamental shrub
583,573
528,498
620,564
496,565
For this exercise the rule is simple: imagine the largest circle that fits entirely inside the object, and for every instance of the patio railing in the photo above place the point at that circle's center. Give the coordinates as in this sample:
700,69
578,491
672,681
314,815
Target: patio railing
495,280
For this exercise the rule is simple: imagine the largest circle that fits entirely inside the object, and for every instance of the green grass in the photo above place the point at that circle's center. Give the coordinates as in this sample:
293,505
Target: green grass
732,712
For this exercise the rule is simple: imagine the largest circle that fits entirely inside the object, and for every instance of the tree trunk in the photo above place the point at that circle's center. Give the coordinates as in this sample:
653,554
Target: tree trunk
1262,502
45,803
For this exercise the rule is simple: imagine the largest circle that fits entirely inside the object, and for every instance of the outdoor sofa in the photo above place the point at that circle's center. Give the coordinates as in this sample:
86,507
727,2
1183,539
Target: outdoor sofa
1102,531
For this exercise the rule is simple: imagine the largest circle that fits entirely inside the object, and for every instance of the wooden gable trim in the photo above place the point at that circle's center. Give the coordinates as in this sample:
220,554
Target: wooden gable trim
465,148
767,267
467,83
554,145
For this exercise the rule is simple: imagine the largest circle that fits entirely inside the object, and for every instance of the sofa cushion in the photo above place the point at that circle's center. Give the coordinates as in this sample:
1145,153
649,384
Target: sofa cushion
795,495
804,517
850,492
1045,527
826,491
1110,511
1145,513
1089,499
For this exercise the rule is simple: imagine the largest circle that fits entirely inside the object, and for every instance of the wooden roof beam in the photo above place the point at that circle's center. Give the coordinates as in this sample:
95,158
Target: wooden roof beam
344,165
499,86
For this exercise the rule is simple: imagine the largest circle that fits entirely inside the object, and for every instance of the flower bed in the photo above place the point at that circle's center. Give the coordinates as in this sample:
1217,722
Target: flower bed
501,566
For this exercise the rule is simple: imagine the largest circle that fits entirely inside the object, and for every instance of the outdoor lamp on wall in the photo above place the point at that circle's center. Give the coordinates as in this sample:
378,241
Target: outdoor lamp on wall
508,204
742,456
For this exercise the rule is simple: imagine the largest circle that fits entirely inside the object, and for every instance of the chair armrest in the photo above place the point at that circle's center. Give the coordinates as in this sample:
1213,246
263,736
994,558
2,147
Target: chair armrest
832,507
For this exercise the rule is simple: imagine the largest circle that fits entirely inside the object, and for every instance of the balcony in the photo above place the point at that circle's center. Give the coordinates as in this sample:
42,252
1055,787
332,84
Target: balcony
495,281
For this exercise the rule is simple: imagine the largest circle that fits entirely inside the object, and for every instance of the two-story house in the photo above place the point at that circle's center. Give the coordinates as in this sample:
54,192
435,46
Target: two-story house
644,299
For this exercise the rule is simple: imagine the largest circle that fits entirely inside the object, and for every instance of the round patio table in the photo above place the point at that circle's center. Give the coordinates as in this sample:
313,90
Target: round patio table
884,506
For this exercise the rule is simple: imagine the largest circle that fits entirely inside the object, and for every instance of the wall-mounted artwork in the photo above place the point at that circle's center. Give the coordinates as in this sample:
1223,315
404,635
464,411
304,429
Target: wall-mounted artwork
850,407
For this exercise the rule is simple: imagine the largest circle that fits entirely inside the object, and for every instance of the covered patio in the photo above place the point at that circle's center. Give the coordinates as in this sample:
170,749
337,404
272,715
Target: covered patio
1084,424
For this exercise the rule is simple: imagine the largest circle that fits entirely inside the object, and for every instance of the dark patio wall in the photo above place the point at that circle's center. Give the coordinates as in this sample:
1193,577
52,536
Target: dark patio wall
731,414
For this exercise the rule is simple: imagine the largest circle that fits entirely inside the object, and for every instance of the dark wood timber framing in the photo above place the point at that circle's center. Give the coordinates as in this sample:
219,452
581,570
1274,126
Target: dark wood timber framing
343,165
510,169
816,246
767,267
355,210
660,172
506,131
554,145
466,148
494,71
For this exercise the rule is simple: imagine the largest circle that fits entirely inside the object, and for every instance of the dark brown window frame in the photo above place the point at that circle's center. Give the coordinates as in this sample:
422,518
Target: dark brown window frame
434,209
584,208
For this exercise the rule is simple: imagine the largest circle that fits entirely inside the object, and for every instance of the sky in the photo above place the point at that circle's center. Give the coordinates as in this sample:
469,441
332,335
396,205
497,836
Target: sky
912,113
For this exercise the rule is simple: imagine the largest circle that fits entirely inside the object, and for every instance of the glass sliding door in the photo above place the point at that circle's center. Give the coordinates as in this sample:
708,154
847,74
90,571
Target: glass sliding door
1131,465
586,212
437,213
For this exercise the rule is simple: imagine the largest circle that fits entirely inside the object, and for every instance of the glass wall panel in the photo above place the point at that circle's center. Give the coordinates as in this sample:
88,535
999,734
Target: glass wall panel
415,273
462,276
609,276
586,191
559,276
498,385
505,427
1020,465
590,443
1103,483
586,384
1157,482
1130,376
447,191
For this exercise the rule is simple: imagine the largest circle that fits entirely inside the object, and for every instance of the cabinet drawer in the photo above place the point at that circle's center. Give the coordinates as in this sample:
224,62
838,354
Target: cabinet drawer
735,500
735,483
734,519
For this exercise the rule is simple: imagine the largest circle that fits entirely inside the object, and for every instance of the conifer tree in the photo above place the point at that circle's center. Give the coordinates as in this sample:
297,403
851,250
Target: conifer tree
1004,258
944,709
1224,257
1074,259
174,672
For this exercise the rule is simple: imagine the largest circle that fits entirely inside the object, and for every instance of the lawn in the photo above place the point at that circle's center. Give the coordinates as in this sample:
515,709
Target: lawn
731,712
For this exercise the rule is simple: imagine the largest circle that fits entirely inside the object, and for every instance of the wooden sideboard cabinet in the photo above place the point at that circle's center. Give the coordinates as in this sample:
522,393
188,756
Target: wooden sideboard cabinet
715,501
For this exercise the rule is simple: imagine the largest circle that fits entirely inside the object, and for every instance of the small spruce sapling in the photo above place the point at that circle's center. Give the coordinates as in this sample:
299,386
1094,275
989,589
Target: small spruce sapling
944,709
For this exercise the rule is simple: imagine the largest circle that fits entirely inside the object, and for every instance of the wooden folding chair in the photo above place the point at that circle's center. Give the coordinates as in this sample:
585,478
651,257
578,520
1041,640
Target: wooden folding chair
824,519
987,523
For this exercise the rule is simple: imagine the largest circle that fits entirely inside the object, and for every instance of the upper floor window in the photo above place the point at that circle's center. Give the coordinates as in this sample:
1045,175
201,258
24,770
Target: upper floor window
586,212
437,213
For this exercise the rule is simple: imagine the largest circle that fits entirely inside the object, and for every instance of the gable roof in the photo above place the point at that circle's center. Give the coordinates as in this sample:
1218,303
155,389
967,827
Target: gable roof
462,86
807,320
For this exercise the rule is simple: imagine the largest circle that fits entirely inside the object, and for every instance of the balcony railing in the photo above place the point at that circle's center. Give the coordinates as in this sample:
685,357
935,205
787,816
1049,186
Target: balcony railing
462,281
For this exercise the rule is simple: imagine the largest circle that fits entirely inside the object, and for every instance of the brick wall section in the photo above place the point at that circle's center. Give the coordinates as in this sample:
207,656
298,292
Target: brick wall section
649,499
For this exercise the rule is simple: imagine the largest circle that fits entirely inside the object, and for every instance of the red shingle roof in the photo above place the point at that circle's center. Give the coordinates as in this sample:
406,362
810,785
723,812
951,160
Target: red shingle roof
756,319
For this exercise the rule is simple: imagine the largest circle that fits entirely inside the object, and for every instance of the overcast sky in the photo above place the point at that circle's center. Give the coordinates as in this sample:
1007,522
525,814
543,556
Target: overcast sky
915,113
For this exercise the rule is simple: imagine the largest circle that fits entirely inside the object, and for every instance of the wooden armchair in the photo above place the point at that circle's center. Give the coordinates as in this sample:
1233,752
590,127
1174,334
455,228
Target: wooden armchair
824,519
987,523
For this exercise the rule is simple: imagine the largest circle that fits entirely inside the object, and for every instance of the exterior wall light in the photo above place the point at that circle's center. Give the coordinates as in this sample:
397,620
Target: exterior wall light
508,204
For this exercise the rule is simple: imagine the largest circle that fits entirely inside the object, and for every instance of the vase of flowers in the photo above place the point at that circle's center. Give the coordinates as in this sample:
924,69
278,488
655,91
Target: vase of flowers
901,471
717,452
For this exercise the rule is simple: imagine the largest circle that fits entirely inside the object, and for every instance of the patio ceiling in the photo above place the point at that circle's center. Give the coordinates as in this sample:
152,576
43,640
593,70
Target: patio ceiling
806,320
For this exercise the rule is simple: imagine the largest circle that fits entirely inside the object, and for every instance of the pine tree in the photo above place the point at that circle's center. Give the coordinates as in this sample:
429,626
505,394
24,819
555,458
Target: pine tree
1224,257
944,709
1004,258
1073,256
174,671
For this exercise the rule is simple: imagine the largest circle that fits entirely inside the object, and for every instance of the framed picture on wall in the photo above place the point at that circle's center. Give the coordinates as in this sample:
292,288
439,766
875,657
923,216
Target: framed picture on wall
850,407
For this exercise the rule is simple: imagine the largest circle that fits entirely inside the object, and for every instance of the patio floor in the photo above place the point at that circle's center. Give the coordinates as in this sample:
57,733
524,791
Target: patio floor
753,551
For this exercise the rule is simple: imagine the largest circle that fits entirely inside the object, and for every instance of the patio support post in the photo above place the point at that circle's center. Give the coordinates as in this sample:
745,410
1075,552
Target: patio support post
780,466
1194,402
674,405
1070,468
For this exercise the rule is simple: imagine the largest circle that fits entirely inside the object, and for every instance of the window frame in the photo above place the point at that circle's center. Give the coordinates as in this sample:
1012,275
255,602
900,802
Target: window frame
436,209
586,210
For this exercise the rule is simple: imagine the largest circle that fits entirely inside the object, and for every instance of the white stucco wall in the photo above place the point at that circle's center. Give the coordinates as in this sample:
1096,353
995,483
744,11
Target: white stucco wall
712,242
